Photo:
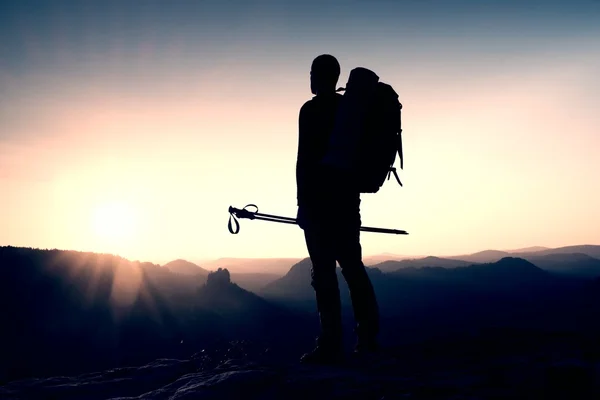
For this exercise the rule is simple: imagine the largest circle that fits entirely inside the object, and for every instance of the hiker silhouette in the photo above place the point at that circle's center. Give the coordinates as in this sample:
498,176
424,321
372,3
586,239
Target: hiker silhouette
329,214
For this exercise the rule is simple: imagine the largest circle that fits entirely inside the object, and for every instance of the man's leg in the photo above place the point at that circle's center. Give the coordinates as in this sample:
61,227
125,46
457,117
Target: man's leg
325,283
362,294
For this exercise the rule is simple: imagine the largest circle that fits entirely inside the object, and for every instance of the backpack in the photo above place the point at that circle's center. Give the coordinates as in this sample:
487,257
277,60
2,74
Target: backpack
367,133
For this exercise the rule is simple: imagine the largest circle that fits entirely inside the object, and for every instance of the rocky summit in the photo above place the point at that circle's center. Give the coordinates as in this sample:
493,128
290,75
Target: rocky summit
241,371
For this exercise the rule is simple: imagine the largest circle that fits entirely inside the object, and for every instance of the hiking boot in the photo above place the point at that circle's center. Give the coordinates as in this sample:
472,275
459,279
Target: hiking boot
324,354
366,345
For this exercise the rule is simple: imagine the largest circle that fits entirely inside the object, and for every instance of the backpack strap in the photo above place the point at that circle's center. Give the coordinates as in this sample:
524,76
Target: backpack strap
399,144
393,171
398,148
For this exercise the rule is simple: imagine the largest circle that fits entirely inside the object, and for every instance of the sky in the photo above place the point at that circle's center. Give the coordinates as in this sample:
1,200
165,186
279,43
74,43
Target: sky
130,127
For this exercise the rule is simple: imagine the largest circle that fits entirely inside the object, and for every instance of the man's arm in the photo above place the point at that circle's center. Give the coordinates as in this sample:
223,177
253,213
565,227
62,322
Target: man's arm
303,149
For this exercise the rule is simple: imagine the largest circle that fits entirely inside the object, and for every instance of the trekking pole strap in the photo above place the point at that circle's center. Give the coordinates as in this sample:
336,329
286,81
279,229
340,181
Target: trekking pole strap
233,225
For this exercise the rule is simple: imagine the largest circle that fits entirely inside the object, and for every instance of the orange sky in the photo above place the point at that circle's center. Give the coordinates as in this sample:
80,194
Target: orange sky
141,153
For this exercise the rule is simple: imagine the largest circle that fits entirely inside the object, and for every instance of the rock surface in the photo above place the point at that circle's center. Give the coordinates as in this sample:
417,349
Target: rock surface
242,372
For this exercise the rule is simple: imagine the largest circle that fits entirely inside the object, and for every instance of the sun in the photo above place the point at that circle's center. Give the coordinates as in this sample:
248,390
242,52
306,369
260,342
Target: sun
114,221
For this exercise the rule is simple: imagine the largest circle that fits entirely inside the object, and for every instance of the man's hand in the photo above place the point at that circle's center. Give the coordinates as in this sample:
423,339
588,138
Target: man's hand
301,217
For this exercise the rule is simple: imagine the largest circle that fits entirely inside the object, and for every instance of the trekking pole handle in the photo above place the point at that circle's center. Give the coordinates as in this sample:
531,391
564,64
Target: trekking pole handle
235,213
241,213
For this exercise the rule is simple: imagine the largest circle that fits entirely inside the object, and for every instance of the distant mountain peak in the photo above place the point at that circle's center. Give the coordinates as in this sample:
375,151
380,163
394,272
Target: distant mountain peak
430,261
300,266
431,258
531,249
490,251
218,278
512,268
514,262
184,267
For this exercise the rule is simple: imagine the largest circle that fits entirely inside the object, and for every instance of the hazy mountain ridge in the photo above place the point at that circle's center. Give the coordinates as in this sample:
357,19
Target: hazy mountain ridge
253,265
280,266
430,261
574,264
482,256
511,267
387,261
252,281
185,267
572,260
510,292
495,255
379,258
589,249
297,280
70,311
530,249
424,290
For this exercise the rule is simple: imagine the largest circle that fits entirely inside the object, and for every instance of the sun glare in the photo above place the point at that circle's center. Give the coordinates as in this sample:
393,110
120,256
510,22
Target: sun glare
114,221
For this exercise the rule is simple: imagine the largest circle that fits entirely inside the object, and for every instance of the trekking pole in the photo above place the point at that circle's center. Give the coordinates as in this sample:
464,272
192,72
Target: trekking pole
235,213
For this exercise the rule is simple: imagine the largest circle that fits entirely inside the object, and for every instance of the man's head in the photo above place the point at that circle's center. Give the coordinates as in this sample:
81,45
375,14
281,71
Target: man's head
324,74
